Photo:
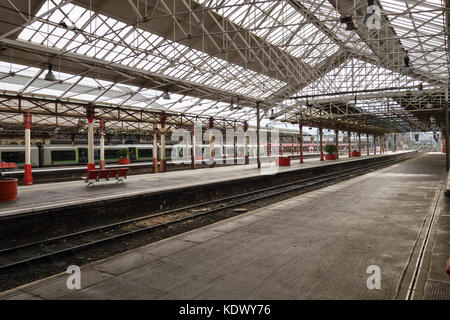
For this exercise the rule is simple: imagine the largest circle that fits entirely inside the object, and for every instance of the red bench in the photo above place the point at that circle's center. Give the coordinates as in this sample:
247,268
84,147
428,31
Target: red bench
118,174
7,165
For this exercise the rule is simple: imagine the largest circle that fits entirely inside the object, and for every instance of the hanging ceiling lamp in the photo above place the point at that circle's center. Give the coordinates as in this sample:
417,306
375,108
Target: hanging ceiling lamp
166,95
50,76
348,21
420,92
407,70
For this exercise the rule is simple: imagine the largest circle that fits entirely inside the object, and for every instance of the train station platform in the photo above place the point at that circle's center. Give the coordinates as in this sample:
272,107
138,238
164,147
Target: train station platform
319,245
57,195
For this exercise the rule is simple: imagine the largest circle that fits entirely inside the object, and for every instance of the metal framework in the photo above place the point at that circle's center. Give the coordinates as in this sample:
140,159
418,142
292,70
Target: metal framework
295,59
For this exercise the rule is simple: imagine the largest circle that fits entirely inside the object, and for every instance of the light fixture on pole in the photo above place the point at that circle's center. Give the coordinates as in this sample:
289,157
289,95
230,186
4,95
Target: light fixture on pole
350,26
272,115
420,92
407,70
50,76
232,106
166,95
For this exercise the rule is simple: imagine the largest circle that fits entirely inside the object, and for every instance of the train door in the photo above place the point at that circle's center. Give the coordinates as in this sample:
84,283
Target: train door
82,155
132,153
40,155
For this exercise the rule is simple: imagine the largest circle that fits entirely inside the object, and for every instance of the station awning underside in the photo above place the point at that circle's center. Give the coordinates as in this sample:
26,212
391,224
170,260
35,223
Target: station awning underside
296,60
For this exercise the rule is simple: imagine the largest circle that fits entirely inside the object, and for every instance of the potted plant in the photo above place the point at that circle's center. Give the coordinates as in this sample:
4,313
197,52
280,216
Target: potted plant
331,151
355,153
8,186
124,156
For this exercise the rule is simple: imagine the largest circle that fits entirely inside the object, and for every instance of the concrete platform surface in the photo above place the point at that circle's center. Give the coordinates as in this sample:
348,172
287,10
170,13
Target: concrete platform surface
55,195
315,246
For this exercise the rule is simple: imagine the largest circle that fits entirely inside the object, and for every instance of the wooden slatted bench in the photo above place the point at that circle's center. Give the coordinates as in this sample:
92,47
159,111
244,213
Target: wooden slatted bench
96,175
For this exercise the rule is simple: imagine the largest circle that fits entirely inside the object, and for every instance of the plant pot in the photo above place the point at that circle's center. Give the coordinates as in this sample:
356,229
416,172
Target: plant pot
284,161
355,154
330,156
8,189
124,161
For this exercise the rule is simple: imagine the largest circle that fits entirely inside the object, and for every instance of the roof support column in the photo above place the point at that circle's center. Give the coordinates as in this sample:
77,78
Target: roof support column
336,134
367,146
193,145
162,163
102,144
211,142
28,177
258,120
155,147
321,143
447,164
90,112
246,142
300,125
374,145
349,134
359,142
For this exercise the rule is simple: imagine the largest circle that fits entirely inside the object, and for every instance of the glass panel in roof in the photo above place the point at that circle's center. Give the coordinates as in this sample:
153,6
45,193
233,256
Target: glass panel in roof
421,24
105,38
280,24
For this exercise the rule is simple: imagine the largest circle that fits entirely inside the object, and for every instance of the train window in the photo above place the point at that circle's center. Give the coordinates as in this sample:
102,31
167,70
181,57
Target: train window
169,153
82,155
145,153
63,155
96,154
181,153
111,154
132,153
13,156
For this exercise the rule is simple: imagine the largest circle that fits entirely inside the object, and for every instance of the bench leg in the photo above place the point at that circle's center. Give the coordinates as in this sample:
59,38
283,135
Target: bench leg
90,184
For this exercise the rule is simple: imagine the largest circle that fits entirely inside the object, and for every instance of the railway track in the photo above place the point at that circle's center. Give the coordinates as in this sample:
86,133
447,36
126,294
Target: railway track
34,252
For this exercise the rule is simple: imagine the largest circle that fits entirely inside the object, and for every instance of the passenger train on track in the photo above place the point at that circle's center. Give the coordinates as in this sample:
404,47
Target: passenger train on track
69,155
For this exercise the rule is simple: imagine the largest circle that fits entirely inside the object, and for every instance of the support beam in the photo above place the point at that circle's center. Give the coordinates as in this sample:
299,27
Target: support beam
258,120
321,143
300,125
336,133
28,177
349,134
246,143
447,164
155,148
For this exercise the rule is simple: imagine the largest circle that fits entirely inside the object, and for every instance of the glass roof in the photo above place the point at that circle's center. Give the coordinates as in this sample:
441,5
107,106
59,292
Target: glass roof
309,31
280,24
420,26
111,40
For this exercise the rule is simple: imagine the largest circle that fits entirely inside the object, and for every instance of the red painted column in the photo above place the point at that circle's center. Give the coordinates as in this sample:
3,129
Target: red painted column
102,144
211,143
336,132
162,163
321,144
301,141
155,147
367,146
374,145
359,142
349,134
90,113
246,142
28,176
